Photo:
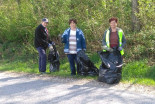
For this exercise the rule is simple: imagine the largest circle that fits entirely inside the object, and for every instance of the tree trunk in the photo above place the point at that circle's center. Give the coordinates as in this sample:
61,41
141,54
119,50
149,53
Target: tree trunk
135,20
18,1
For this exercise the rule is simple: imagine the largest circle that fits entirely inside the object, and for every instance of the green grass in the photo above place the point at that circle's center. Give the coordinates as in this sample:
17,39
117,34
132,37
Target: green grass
139,72
136,72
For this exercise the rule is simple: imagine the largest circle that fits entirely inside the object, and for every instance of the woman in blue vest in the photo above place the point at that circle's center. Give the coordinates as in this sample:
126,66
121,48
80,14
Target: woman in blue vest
74,41
113,37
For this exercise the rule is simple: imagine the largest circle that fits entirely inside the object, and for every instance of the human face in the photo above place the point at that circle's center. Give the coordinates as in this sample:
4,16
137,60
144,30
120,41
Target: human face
113,24
72,25
44,24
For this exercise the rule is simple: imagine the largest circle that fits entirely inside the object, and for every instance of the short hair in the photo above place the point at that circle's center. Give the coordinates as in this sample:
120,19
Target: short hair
113,19
74,20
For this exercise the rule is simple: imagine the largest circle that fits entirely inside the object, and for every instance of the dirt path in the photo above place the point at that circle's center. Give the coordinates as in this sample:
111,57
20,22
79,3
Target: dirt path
17,88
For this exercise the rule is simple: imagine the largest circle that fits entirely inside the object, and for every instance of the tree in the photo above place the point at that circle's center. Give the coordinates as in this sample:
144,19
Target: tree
135,20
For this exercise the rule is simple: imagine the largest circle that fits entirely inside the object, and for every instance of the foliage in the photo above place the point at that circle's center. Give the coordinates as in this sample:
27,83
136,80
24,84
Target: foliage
19,18
146,14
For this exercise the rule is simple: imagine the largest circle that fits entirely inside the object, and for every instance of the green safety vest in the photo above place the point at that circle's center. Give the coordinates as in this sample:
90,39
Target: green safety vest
120,34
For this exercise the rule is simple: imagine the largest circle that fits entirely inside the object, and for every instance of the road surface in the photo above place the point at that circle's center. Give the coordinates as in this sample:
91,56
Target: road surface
17,88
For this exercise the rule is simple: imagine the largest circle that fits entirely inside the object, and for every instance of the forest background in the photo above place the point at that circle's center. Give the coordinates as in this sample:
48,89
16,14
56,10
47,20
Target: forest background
19,18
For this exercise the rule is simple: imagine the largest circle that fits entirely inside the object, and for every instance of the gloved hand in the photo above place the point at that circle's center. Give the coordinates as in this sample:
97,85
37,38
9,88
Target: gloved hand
84,50
60,37
120,48
50,47
104,47
52,43
108,49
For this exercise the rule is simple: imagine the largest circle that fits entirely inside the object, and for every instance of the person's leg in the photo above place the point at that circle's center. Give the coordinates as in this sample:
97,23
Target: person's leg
39,63
42,62
77,65
72,63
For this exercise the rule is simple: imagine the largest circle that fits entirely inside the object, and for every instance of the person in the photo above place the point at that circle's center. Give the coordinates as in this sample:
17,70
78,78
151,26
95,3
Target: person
114,38
42,42
74,41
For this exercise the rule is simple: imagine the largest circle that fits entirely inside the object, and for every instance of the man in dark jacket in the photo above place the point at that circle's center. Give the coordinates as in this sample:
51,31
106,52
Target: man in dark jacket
42,42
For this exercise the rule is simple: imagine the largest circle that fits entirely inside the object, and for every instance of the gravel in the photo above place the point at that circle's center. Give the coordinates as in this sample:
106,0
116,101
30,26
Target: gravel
17,88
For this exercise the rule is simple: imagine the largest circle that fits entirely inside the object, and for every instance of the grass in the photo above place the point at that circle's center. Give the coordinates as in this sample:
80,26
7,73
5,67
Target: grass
135,72
29,64
139,72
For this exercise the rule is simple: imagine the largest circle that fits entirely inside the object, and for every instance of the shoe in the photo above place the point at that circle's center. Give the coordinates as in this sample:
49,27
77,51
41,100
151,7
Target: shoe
73,74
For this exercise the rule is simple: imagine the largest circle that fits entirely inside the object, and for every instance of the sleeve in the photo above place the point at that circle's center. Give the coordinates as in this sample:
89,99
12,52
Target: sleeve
123,40
83,40
104,39
49,39
63,37
40,38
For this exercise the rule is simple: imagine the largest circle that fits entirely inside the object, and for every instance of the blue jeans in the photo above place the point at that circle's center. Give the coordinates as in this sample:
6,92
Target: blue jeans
42,59
72,60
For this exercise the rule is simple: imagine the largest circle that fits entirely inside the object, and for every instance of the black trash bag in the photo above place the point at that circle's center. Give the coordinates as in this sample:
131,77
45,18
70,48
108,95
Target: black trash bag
53,58
85,66
109,76
110,69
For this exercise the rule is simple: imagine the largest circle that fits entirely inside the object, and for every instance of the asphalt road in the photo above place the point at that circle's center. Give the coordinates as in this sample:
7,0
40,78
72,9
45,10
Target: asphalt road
35,89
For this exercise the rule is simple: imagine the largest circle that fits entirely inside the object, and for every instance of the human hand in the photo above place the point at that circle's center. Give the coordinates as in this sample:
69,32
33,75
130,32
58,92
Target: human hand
110,50
84,50
107,48
120,48
49,45
52,43
51,48
59,36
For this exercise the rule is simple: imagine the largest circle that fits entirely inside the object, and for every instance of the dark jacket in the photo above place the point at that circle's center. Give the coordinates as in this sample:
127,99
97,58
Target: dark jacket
80,39
104,38
41,37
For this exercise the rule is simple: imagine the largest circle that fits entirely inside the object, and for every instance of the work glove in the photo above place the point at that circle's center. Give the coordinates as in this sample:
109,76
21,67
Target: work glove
50,47
120,48
84,50
60,37
108,49
52,43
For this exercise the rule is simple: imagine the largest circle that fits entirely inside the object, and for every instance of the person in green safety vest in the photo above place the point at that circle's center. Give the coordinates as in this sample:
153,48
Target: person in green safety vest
113,37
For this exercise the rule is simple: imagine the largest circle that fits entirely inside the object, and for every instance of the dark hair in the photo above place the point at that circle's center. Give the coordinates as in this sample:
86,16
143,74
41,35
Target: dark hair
113,19
74,20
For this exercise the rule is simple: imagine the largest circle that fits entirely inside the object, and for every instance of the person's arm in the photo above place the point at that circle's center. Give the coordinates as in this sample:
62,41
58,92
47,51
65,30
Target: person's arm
83,40
49,40
104,39
123,40
39,37
63,37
